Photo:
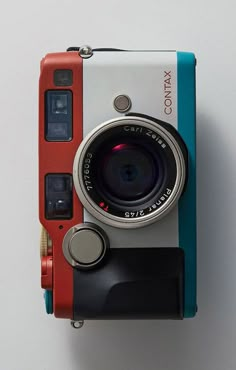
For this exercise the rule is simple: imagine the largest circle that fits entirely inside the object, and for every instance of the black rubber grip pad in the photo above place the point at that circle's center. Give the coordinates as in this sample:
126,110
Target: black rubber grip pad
132,283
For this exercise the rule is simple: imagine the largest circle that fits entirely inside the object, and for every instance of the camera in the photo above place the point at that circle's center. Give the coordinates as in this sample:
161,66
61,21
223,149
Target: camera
117,183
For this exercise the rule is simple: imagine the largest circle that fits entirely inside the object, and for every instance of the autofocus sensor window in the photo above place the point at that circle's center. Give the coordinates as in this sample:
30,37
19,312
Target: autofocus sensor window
63,77
130,171
58,196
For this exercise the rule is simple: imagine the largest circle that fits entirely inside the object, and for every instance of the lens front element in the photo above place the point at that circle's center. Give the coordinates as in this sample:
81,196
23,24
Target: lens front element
128,172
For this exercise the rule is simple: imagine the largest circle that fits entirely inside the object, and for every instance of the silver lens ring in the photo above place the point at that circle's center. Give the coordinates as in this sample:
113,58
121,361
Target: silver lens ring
122,222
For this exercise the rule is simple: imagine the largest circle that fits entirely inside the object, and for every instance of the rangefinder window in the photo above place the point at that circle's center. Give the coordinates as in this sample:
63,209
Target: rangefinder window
58,193
58,117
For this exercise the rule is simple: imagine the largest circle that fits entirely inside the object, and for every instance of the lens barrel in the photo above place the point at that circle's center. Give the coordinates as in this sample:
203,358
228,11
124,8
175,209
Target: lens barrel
130,171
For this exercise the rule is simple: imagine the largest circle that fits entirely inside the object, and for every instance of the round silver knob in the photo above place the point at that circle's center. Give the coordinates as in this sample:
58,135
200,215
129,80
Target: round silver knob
85,245
122,103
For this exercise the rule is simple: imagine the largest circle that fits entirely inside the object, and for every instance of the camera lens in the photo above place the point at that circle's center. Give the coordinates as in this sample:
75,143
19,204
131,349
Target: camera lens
128,172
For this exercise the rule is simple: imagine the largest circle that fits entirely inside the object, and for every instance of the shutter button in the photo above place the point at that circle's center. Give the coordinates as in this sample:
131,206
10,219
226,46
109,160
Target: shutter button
85,245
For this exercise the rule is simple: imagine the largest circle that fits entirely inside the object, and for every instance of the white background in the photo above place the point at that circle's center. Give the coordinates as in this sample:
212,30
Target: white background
31,340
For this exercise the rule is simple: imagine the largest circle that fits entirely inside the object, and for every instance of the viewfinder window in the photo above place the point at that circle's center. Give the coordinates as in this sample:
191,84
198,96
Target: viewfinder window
58,117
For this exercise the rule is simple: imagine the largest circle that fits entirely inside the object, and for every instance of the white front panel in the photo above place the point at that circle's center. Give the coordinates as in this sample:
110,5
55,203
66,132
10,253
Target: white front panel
149,79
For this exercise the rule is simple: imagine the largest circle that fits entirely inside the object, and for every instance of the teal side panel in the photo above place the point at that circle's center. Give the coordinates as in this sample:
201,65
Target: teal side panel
48,298
187,205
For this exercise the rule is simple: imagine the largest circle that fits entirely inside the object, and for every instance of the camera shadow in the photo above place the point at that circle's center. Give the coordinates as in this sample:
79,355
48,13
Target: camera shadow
193,343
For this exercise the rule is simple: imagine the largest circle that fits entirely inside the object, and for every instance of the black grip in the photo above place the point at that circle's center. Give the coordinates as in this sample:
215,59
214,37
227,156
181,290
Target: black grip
132,283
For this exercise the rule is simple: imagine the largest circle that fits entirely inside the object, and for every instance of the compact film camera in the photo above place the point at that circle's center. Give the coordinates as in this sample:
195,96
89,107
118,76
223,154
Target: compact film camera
117,184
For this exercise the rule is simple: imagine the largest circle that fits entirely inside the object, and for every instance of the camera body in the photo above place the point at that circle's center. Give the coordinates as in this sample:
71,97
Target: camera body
117,184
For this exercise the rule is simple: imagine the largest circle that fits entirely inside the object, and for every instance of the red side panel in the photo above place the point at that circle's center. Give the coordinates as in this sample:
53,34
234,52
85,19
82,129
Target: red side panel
57,157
